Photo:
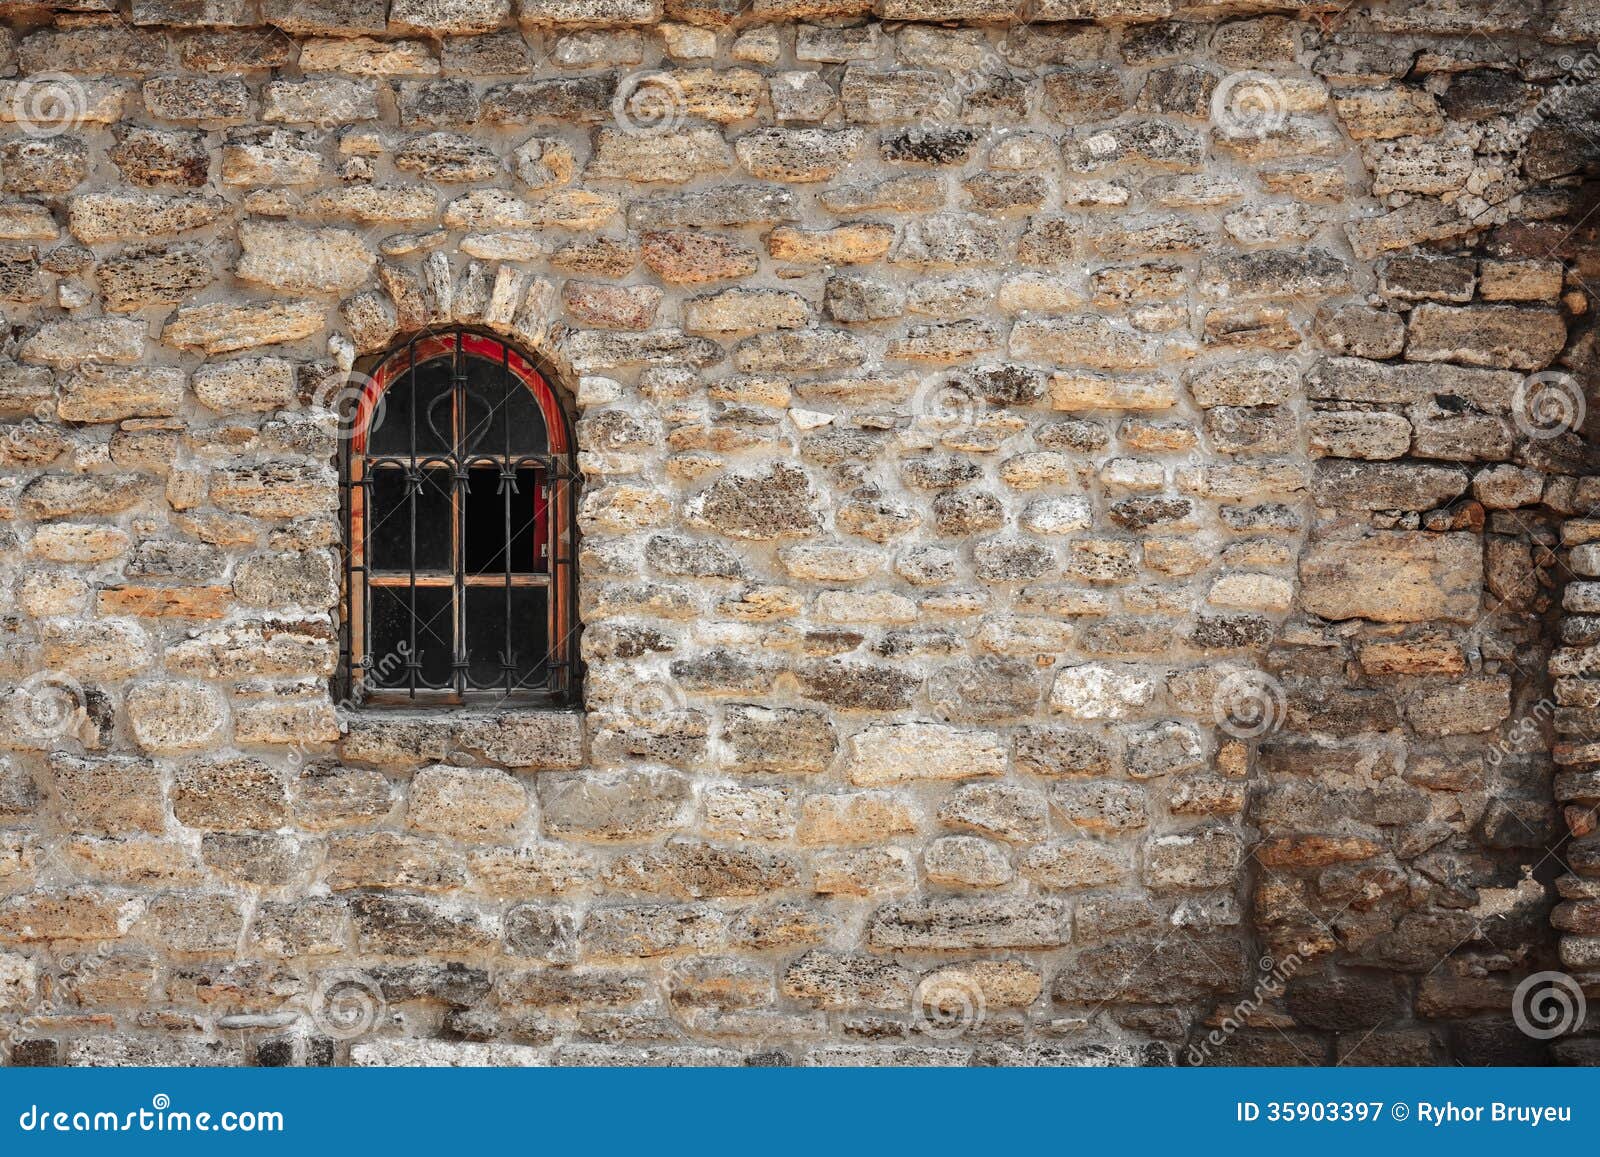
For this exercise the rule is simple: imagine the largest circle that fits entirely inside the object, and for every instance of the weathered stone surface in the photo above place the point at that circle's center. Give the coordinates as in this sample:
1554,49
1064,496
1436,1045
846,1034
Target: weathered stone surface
1209,858
454,17
645,930
1154,969
694,871
857,817
1101,807
898,752
671,159
779,740
144,277
109,394
127,215
838,980
171,715
617,807
108,795
253,157
1094,493
248,384
76,913
1394,576
69,343
52,496
475,805
1075,864
685,256
223,327
275,489
229,794
737,310
447,157
525,742
1501,336
302,260
776,503
1001,810
409,926
284,581
48,165
961,923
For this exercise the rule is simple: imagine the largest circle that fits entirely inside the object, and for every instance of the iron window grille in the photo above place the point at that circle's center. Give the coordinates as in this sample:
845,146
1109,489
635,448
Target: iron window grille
460,500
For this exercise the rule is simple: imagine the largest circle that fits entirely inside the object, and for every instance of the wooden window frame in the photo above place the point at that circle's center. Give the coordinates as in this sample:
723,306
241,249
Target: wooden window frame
470,351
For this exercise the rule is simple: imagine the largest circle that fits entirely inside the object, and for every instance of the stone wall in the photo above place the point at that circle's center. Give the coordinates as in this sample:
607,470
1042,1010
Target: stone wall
1078,516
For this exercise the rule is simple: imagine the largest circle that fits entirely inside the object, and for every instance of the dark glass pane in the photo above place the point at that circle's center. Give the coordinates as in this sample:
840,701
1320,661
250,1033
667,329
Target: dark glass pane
424,396
494,516
503,417
389,520
525,636
392,620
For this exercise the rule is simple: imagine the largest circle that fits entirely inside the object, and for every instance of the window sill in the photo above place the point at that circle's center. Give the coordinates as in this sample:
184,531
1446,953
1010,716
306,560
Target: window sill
402,705
521,736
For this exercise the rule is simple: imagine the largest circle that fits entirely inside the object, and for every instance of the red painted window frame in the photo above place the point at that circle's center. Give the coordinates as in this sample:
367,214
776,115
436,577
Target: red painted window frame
555,521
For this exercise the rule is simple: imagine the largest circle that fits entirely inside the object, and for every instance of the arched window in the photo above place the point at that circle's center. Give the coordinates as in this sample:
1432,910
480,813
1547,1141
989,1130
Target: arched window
460,495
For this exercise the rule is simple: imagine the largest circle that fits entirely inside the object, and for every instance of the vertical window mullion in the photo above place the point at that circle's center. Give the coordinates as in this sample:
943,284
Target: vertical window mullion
566,546
556,520
413,662
508,486
360,495
459,480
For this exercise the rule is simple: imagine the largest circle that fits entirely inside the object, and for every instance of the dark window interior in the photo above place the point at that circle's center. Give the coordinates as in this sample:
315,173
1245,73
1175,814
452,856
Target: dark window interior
461,528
